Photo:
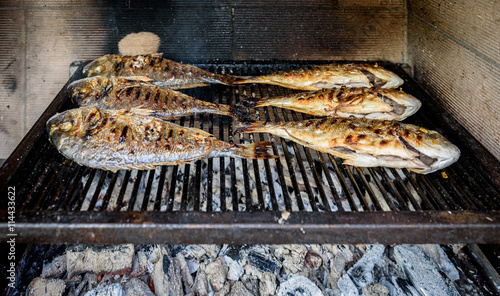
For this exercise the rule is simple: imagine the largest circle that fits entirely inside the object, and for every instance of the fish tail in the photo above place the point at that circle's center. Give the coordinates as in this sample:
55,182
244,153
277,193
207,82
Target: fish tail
258,150
250,127
251,102
234,80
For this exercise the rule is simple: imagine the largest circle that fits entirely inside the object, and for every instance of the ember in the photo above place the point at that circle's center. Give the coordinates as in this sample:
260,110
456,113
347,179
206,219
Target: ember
256,270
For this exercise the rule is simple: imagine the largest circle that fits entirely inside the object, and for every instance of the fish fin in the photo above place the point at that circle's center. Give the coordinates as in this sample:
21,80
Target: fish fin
258,150
233,80
200,131
138,78
143,112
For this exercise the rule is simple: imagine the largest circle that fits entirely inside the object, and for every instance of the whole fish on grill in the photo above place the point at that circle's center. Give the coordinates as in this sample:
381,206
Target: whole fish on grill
367,143
156,69
122,93
128,139
370,103
329,76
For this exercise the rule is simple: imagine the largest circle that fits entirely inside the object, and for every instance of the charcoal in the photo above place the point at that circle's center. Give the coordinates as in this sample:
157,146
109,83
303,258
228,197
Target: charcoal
235,270
107,290
239,289
299,286
136,287
375,289
211,250
186,277
200,286
441,259
216,274
113,259
292,257
54,269
224,290
267,284
262,263
362,271
251,283
232,251
347,286
423,273
401,287
166,275
46,287
89,282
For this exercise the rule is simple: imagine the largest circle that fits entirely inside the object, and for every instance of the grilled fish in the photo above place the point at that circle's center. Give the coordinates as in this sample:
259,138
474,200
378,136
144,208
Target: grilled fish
156,69
329,76
370,103
126,139
122,93
367,143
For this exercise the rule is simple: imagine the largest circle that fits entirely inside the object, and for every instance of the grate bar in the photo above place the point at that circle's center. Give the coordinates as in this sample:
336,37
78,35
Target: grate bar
107,196
294,182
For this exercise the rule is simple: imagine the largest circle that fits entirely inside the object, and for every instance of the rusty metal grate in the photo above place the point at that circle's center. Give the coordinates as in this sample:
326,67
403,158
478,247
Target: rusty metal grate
301,197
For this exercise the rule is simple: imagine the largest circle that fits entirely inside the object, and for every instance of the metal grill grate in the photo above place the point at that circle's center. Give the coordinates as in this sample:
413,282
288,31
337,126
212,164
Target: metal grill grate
248,201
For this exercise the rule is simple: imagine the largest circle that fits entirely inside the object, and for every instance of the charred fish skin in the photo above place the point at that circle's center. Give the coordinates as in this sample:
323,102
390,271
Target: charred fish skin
369,103
333,75
367,143
154,68
122,93
120,139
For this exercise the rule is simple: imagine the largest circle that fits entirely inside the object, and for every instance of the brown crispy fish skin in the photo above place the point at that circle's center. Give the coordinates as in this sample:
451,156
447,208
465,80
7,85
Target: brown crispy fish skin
122,93
154,68
367,143
333,75
120,139
370,103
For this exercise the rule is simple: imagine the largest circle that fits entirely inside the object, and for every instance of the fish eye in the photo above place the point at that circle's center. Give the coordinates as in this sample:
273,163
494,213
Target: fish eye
67,126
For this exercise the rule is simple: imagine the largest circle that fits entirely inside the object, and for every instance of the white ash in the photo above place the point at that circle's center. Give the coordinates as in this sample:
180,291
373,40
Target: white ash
216,274
299,285
46,287
375,289
108,290
136,287
56,268
113,259
315,269
422,271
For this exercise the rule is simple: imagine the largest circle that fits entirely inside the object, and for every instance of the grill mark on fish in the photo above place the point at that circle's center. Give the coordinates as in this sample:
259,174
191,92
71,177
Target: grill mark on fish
123,135
157,96
170,134
129,91
137,93
339,96
146,96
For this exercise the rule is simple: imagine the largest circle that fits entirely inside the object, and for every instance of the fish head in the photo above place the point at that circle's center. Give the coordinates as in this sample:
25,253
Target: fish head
435,152
401,103
87,91
381,77
73,124
102,66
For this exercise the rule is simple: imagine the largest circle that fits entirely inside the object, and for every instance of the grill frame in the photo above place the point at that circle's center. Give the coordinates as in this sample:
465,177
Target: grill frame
440,220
